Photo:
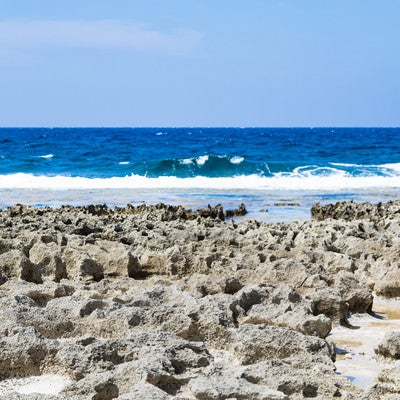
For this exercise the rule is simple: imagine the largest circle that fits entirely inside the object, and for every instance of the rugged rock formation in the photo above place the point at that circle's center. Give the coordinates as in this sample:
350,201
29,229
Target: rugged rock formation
390,346
160,302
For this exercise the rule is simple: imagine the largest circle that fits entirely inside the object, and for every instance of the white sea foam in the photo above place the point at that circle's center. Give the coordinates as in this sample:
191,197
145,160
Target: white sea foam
237,160
124,163
281,181
47,156
349,165
394,167
186,161
312,171
201,160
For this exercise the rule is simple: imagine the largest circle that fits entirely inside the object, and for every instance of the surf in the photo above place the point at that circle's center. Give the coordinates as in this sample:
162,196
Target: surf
297,180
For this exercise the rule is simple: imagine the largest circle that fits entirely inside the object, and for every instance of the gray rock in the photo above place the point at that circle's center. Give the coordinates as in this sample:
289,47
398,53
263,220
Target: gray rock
293,381
330,303
99,386
257,343
23,352
390,346
15,264
145,391
358,298
205,388
389,284
134,302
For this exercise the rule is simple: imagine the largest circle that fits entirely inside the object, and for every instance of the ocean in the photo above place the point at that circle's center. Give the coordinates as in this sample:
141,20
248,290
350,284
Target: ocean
277,172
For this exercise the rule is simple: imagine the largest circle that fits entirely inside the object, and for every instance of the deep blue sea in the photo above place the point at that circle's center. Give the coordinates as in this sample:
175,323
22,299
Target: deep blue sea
277,172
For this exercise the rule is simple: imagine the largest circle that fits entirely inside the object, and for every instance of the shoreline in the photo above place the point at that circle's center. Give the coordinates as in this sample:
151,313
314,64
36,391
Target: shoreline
262,205
191,304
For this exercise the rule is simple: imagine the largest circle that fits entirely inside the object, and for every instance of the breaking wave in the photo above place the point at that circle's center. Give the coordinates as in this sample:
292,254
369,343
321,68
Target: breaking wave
310,177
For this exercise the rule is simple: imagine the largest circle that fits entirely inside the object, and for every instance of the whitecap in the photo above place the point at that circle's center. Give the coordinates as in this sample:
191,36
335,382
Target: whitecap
124,163
202,160
47,156
160,133
186,161
237,159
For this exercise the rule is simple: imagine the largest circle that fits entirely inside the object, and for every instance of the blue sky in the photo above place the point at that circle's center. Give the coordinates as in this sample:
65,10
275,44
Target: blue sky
199,63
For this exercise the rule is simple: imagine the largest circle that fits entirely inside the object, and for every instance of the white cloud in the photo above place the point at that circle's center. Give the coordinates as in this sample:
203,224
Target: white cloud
115,34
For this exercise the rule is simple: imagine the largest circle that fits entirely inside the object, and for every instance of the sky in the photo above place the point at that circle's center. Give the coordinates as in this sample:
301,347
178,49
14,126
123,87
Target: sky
166,63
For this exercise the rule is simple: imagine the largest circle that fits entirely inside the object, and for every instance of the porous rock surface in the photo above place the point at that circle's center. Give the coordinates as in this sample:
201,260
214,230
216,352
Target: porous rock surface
160,302
390,346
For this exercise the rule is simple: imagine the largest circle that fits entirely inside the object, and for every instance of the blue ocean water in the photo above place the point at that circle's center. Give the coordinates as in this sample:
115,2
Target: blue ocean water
196,166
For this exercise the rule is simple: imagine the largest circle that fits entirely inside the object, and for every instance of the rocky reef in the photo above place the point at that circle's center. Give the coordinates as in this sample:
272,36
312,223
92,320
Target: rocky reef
161,302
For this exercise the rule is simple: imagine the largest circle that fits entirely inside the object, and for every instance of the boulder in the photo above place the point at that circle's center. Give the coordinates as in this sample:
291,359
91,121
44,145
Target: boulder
390,346
389,284
23,353
295,382
206,388
328,302
15,264
99,386
358,298
145,391
258,343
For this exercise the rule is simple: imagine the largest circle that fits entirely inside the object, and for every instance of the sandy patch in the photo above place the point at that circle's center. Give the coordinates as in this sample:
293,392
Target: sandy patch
356,359
42,384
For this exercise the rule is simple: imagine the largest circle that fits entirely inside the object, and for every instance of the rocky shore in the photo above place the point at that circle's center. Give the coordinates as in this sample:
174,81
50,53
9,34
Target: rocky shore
160,302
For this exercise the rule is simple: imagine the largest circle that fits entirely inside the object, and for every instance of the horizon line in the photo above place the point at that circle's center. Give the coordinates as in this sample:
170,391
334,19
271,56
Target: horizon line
203,127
